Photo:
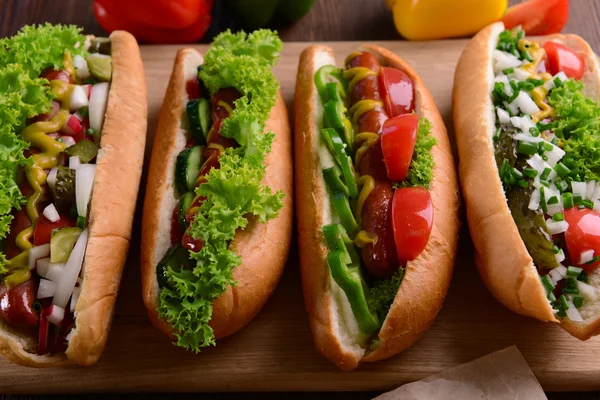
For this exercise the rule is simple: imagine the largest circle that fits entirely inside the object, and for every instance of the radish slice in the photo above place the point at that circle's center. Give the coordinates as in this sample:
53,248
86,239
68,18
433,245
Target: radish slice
73,126
38,252
79,98
74,162
51,213
45,289
84,180
81,67
88,90
56,314
66,283
98,101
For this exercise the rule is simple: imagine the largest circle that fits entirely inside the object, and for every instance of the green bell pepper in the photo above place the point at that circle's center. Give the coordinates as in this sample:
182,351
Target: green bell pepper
336,147
330,74
258,13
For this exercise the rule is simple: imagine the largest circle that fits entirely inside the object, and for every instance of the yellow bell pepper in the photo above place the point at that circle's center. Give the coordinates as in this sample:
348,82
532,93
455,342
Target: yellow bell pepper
442,19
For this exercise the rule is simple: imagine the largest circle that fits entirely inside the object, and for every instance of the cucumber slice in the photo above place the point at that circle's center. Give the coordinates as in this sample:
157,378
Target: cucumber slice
176,258
185,201
187,168
198,112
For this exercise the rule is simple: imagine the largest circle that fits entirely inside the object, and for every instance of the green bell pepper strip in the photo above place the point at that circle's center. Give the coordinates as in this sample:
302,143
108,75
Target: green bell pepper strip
333,181
337,239
349,279
336,147
335,117
330,74
344,211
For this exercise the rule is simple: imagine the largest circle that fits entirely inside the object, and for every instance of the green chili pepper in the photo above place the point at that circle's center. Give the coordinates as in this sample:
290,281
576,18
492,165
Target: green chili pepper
329,74
344,211
337,239
343,160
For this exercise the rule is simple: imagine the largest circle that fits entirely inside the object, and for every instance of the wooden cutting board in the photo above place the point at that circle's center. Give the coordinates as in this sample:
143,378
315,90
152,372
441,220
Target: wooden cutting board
275,352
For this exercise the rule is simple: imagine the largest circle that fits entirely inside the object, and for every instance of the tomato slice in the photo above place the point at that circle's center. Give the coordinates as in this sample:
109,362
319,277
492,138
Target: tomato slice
398,91
583,235
561,58
538,17
43,228
398,138
412,220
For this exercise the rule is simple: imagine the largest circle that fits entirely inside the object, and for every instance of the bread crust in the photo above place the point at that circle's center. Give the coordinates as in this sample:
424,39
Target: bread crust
427,278
504,263
261,266
111,216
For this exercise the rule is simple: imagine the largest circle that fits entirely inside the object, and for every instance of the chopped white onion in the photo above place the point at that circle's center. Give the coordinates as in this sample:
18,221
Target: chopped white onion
588,291
554,155
42,265
534,200
526,103
45,289
84,180
573,313
586,256
597,206
56,314
504,60
513,107
74,299
81,67
560,256
557,207
549,85
521,74
66,283
554,228
52,272
562,269
50,213
38,252
74,162
596,194
579,188
525,124
555,276
51,179
503,116
67,140
536,162
591,188
79,99
97,108
561,75
507,88
563,185
528,138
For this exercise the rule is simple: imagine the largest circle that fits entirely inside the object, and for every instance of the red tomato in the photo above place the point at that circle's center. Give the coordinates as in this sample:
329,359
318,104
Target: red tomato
85,125
397,91
583,234
561,58
538,17
398,138
412,219
43,228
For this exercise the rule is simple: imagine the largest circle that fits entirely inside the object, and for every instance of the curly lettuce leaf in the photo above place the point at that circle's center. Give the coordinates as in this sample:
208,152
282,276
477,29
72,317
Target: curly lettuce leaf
420,172
262,45
38,47
382,294
578,127
234,192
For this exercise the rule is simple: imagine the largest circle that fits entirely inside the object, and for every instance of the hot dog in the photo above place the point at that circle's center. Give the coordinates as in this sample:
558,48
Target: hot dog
523,112
225,228
376,203
61,137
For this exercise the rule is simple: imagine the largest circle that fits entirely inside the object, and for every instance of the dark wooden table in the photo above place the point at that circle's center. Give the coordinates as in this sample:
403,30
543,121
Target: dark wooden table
329,20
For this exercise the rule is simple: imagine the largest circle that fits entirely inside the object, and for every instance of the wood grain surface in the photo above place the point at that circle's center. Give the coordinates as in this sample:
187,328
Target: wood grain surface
275,352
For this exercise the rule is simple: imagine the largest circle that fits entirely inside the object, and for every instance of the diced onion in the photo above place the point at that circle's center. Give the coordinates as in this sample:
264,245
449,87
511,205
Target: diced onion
503,116
42,265
51,179
561,75
586,290
579,188
97,108
555,276
79,99
51,213
38,252
67,140
557,207
554,155
45,289
56,314
597,206
524,124
513,107
536,162
586,256
526,103
591,188
66,283
534,200
554,228
52,272
528,138
504,60
81,67
74,299
596,194
74,162
562,269
84,181
560,256
507,88
573,313
521,74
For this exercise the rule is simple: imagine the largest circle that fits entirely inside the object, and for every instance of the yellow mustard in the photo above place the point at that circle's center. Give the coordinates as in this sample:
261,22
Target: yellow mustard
363,238
357,74
366,183
226,106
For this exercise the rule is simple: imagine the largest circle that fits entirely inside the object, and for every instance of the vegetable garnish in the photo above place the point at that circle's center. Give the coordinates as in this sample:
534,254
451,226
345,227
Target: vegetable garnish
234,192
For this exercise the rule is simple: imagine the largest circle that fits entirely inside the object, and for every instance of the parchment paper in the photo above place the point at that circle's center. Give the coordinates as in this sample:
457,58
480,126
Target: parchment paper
503,375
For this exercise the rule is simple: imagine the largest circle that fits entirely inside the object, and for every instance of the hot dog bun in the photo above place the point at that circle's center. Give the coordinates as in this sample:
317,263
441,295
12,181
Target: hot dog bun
263,247
504,264
119,168
426,281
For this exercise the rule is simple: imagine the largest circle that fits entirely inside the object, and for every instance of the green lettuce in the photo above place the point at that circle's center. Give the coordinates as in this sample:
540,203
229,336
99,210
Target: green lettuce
578,127
382,294
234,192
420,172
38,47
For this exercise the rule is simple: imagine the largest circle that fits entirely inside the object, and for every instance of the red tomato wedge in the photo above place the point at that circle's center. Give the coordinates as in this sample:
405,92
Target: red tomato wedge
538,17
412,220
583,235
398,138
561,58
397,91
43,228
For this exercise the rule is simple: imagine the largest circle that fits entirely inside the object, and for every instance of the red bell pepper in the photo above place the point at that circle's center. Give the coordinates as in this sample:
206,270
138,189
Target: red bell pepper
156,21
